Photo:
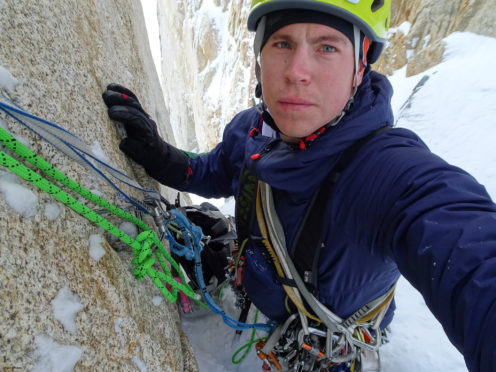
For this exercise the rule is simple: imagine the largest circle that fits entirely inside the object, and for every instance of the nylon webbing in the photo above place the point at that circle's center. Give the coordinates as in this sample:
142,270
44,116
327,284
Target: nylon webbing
147,247
73,147
305,250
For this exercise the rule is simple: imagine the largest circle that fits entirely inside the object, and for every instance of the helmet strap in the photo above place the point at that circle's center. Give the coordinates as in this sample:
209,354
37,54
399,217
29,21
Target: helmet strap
262,108
259,35
356,36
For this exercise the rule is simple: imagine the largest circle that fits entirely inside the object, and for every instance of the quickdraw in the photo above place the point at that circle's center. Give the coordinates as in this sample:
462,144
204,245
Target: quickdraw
327,343
150,256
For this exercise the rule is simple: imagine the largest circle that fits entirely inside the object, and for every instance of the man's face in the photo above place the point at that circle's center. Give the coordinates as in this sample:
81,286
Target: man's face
307,73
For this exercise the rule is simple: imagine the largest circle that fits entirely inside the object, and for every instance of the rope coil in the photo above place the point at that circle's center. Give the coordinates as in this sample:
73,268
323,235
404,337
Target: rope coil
145,257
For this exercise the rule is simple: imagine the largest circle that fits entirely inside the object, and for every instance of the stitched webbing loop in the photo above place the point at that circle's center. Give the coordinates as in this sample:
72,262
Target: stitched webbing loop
145,256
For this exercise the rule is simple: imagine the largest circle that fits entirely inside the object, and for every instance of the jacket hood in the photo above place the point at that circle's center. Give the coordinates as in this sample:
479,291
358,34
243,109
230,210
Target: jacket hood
286,167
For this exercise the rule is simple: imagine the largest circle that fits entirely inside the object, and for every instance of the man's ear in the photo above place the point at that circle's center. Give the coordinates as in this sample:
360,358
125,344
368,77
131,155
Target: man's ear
361,71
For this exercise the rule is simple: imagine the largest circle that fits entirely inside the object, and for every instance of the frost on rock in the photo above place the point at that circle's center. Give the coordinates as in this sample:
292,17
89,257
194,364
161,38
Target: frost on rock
139,363
18,197
404,28
97,150
52,211
129,228
97,192
96,249
157,300
7,81
65,307
51,356
117,325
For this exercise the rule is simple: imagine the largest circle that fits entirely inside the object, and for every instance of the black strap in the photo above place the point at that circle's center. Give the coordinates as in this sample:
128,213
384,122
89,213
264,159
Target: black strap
308,241
245,206
243,315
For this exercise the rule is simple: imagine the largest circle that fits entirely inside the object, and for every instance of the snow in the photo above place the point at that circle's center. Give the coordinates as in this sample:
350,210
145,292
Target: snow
404,28
427,39
157,300
129,228
138,362
96,249
216,343
151,21
7,81
97,150
51,356
418,342
453,111
117,325
65,307
18,197
52,211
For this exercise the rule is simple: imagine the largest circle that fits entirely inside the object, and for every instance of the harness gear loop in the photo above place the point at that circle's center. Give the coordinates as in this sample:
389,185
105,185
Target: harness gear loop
278,264
342,339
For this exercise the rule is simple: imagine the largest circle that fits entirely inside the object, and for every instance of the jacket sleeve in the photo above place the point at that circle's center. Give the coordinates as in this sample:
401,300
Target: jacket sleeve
439,225
215,174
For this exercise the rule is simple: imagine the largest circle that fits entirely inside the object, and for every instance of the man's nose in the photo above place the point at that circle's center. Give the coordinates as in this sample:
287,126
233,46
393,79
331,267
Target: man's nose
298,67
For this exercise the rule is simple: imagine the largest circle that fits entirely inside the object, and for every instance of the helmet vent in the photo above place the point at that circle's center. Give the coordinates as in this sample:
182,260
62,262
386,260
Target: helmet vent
376,5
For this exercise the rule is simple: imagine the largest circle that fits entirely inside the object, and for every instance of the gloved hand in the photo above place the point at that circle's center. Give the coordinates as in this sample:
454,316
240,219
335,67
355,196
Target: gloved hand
143,144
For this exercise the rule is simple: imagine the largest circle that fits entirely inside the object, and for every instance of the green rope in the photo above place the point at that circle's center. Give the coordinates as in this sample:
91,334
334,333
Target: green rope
247,346
143,246
219,297
25,153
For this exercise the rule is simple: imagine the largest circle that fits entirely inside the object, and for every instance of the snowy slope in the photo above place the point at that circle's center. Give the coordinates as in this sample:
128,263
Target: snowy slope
454,111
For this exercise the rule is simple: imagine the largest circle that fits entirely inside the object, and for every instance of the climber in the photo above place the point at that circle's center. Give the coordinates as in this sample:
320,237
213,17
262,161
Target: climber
396,208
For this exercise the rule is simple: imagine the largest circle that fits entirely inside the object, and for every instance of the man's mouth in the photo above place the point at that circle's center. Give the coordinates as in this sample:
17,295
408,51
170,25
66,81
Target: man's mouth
294,103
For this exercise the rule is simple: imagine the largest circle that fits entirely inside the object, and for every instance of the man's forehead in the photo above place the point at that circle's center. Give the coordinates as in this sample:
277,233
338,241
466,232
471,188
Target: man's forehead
313,31
275,21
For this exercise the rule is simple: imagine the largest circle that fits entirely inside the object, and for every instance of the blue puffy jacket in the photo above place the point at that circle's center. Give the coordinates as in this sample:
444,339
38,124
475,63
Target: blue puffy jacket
397,208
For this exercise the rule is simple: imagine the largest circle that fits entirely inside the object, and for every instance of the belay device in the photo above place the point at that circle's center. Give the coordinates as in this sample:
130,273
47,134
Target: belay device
186,239
311,339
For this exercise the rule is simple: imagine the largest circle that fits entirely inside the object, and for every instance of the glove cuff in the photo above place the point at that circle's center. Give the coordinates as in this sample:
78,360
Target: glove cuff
170,168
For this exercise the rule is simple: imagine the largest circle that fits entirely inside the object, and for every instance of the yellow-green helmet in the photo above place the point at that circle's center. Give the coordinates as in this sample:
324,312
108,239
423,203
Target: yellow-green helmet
370,16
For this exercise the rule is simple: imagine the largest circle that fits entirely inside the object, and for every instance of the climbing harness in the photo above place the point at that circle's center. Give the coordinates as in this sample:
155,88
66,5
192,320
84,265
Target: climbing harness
313,338
331,341
151,258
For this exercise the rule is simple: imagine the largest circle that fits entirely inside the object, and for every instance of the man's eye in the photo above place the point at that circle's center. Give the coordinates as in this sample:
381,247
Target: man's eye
328,49
282,44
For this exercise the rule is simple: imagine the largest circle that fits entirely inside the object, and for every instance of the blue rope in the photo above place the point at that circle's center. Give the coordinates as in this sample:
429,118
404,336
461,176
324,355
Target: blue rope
191,234
80,153
188,233
191,250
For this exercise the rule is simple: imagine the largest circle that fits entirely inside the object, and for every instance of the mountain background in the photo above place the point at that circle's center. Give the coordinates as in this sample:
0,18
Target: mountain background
57,56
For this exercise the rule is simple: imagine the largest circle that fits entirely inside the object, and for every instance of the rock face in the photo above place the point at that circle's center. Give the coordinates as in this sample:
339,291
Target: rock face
64,53
207,59
207,66
418,44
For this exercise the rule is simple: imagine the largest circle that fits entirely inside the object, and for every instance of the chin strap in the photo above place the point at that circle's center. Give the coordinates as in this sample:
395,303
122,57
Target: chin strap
356,36
262,107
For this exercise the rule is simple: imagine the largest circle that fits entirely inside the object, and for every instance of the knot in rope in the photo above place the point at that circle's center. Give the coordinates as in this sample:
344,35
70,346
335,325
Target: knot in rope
143,254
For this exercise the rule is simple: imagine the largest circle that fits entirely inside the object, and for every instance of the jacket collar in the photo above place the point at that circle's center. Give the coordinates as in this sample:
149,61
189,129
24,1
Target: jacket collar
285,167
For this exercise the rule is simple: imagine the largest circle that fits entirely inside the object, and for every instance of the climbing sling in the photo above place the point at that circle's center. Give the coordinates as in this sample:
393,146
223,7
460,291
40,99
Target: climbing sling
151,257
301,269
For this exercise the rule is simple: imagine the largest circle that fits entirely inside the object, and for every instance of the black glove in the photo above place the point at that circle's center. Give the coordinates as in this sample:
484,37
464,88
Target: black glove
143,144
